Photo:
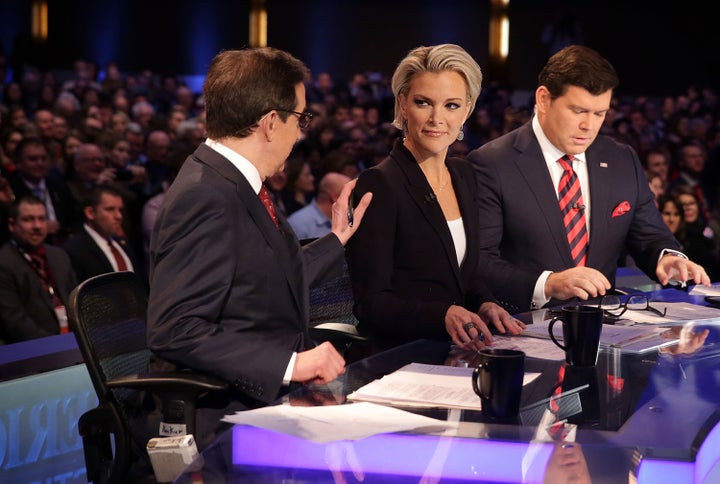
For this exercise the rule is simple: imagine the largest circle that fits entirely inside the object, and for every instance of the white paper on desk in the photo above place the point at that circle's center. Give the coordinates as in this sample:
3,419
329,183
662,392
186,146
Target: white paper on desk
632,337
337,422
700,290
677,312
424,385
533,347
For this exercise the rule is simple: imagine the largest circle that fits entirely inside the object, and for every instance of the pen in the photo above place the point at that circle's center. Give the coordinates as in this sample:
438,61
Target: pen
350,209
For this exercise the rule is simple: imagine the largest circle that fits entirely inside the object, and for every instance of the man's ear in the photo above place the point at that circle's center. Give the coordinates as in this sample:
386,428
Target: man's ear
89,213
268,125
542,98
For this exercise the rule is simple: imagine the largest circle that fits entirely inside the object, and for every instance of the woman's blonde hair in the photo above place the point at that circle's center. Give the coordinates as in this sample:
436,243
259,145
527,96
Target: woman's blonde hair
436,58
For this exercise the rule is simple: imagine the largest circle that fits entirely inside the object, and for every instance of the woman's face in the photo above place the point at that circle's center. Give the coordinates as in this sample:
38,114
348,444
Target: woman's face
690,207
434,108
671,216
306,181
120,154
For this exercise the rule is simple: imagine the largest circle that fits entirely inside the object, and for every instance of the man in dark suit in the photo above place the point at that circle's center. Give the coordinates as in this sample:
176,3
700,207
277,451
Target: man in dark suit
35,278
101,246
228,280
523,186
33,177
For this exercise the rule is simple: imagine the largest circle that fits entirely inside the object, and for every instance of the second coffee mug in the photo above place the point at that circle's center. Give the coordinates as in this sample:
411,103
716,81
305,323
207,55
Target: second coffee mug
581,327
498,381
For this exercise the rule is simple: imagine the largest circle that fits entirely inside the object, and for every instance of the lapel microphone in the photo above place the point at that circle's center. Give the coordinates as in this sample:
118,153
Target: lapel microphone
430,198
578,206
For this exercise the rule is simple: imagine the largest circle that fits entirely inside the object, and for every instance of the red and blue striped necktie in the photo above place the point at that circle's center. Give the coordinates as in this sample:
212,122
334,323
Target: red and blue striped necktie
573,211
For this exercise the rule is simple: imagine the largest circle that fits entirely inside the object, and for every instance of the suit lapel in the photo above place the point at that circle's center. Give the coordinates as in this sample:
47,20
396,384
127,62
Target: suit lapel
599,179
468,210
422,195
531,164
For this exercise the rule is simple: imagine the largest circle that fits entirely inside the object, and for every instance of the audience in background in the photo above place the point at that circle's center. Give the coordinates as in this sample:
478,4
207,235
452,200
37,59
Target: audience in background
701,235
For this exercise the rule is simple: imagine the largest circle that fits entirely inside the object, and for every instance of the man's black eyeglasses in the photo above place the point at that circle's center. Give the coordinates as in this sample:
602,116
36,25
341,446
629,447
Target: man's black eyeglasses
614,307
303,118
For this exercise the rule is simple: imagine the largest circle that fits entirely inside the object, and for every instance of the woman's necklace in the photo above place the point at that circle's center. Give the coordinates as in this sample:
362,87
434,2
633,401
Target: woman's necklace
442,186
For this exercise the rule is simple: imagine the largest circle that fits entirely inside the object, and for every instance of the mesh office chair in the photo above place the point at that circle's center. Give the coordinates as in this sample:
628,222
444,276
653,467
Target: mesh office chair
107,315
331,316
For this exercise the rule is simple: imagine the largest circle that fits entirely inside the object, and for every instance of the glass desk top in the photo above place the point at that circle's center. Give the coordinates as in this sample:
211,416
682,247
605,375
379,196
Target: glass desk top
641,417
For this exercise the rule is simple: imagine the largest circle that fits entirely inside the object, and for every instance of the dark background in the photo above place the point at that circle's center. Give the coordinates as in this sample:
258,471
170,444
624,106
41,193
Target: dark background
656,50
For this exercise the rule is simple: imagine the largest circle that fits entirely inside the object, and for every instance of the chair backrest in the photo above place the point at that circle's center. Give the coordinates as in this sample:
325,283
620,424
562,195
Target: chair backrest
107,314
332,301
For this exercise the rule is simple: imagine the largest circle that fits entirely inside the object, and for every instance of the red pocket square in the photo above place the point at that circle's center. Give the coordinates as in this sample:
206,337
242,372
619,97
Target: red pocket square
621,209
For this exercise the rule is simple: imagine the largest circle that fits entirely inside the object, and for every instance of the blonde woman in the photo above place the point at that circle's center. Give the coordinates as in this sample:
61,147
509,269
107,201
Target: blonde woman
413,263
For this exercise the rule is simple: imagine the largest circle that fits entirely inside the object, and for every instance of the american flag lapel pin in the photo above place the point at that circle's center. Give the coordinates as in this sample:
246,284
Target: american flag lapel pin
603,164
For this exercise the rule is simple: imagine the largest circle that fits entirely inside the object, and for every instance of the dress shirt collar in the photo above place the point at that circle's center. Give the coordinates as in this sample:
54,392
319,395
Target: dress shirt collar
32,186
99,239
549,151
248,170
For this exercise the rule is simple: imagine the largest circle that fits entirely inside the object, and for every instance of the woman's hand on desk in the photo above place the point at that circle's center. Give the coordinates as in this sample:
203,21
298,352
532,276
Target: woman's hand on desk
493,314
470,330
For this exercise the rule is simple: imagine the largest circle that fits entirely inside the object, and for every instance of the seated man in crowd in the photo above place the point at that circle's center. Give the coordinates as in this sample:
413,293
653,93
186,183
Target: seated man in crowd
33,176
314,220
101,246
35,278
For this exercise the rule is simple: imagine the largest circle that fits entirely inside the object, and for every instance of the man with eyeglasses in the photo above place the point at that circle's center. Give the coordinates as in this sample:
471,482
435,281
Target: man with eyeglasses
228,278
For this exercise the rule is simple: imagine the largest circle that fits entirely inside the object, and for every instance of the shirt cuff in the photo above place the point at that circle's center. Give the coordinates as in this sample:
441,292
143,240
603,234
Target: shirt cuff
539,300
287,378
665,252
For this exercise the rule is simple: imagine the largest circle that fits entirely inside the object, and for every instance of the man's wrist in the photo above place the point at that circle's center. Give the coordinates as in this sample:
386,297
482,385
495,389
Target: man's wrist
672,252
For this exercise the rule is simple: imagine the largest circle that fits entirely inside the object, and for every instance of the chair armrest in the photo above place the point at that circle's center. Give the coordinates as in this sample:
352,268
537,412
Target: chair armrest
174,381
336,331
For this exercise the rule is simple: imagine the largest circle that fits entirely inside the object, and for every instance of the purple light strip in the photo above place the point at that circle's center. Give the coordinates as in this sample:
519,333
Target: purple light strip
393,454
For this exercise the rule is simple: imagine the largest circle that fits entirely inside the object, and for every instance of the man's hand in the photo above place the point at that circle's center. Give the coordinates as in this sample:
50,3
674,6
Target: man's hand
680,269
342,214
319,365
581,282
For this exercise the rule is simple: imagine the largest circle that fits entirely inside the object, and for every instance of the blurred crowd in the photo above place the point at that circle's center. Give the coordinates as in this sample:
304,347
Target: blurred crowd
65,134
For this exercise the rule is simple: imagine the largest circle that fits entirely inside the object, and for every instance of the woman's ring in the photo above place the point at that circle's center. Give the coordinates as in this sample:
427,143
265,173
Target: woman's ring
468,326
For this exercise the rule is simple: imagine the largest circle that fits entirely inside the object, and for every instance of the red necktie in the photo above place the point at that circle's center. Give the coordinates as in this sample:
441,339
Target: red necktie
38,260
573,211
267,201
119,260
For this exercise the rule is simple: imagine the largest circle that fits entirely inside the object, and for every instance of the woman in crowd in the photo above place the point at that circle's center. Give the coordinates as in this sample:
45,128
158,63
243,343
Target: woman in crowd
300,185
701,238
672,214
413,261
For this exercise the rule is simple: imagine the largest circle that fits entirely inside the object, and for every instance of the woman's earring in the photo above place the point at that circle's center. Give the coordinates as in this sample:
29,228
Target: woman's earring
461,135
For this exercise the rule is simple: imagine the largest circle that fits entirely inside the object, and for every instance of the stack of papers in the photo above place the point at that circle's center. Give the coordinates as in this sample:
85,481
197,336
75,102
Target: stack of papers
338,422
421,385
633,338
